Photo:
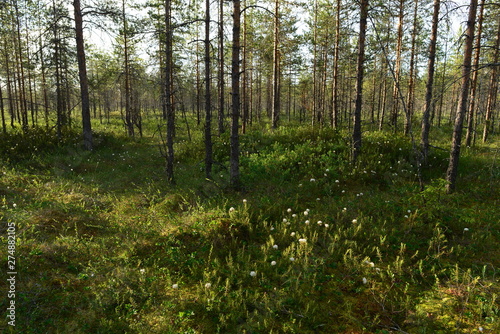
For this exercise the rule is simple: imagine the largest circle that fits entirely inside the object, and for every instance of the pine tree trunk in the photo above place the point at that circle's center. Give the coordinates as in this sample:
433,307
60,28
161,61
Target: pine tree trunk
335,84
475,66
493,89
451,173
276,69
234,156
221,69
356,134
397,69
426,125
208,97
168,93
82,73
411,84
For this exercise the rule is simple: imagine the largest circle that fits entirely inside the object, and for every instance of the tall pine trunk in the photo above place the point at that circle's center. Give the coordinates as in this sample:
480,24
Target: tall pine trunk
168,92
208,99
82,73
426,125
451,173
493,89
356,134
234,157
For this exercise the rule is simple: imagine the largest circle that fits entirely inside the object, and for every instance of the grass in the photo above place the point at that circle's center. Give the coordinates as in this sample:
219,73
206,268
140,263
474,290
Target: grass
313,244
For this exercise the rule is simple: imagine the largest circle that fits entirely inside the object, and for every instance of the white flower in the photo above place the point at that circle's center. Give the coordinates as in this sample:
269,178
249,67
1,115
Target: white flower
343,191
320,222
292,259
466,229
371,264
302,241
326,225
175,286
142,271
313,180
327,170
231,209
208,285
480,328
275,246
306,222
318,199
272,228
14,205
289,210
253,273
306,213
244,201
409,211
337,181
292,234
284,220
406,216
273,263
365,280
354,221
300,184
344,209
294,216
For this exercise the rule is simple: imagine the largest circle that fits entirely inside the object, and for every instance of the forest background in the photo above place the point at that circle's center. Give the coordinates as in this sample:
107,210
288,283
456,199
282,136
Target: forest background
250,166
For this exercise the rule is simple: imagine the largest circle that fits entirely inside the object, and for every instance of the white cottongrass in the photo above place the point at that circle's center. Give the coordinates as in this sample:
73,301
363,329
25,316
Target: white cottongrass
294,216
303,241
365,280
143,271
354,221
292,259
313,180
326,225
466,229
306,213
292,234
284,220
273,263
306,222
231,209
320,222
244,201
275,246
253,273
208,285
289,210
175,286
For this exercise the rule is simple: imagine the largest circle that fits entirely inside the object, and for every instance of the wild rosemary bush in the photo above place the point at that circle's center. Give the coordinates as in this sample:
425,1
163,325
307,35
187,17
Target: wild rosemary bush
313,244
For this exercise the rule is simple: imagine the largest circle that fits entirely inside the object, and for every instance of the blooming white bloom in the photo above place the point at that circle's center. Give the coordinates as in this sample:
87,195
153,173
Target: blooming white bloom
371,264
326,225
320,222
208,285
306,213
344,209
244,201
318,199
337,181
327,170
175,286
292,234
466,229
365,280
142,271
406,216
480,328
292,259
302,241
343,191
313,180
273,263
231,209
14,205
409,211
272,228
354,221
284,220
294,216
275,246
306,222
253,273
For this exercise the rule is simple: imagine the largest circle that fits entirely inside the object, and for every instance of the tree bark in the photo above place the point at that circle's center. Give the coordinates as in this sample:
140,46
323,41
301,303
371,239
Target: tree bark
473,89
356,134
276,68
82,73
493,89
451,173
221,68
168,93
235,89
335,84
426,125
397,69
208,97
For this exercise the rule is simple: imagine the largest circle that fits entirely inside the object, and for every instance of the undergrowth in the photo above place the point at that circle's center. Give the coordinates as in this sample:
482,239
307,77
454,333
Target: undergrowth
313,243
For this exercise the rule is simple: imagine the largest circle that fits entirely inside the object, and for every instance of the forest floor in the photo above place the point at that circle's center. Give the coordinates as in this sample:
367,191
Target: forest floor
312,244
